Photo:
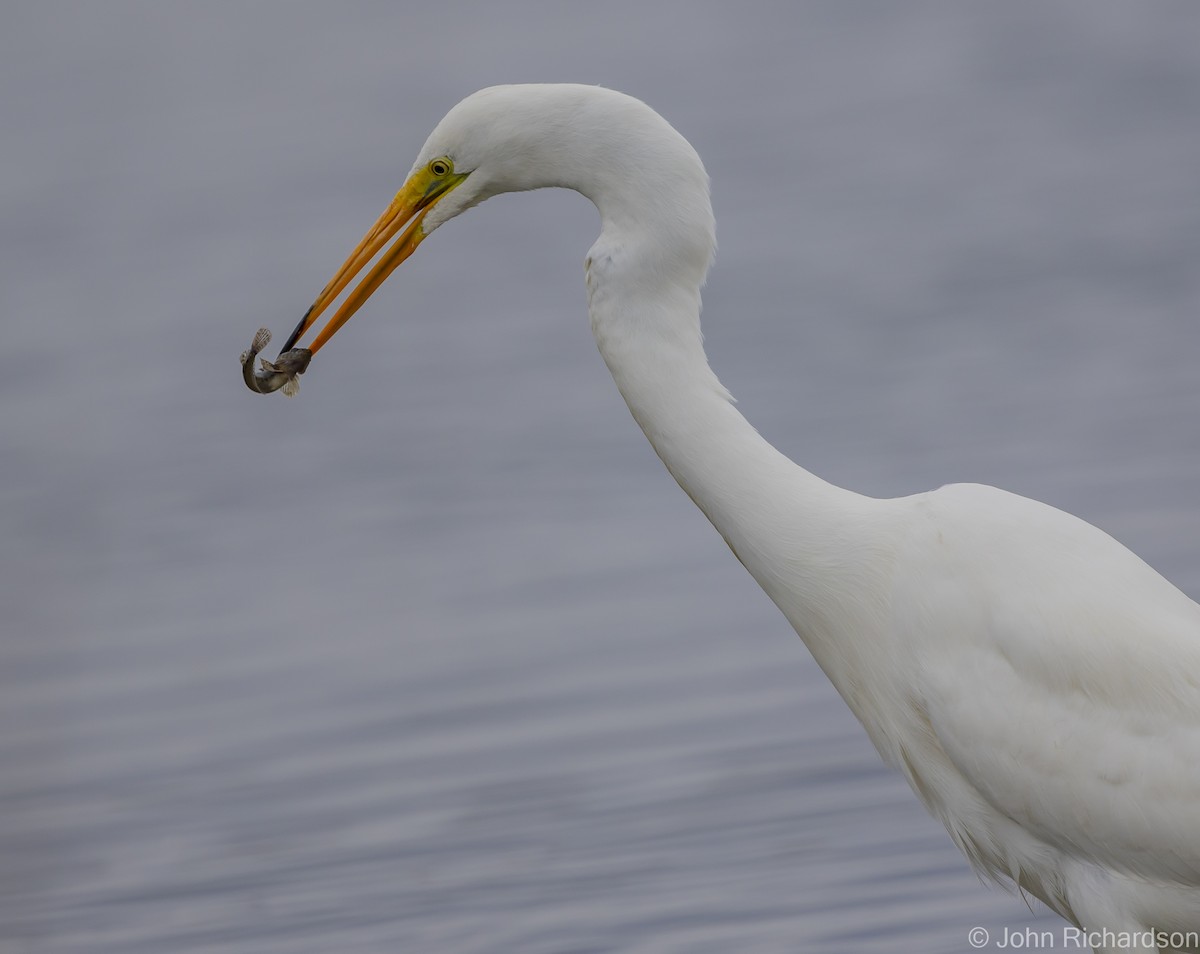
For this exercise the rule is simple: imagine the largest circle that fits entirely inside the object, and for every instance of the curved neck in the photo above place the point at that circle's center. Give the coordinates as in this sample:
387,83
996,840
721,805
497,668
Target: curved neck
806,542
651,343
815,549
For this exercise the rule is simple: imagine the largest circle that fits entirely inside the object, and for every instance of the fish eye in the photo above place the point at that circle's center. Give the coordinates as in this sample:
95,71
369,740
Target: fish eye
441,167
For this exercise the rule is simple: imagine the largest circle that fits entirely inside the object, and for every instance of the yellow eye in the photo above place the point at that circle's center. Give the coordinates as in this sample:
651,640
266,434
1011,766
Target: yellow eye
441,167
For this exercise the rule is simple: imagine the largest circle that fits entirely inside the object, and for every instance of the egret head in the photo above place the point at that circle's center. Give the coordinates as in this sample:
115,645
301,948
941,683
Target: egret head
604,144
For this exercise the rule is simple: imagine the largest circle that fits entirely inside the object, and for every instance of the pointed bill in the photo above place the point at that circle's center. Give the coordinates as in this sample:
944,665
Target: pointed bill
410,206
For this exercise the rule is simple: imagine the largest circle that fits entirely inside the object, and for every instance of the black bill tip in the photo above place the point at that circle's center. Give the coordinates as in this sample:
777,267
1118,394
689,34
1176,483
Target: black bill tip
296,333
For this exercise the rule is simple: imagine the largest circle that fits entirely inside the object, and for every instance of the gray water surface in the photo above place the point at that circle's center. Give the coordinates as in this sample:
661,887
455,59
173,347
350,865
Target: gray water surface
436,657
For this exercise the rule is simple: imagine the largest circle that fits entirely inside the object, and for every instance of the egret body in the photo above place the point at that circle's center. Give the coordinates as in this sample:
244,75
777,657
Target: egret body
1036,683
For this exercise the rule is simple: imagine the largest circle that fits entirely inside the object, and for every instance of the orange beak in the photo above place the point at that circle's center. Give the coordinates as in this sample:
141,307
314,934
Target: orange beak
412,203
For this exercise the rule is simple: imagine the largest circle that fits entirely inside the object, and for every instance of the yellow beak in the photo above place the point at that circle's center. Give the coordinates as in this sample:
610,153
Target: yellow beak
412,203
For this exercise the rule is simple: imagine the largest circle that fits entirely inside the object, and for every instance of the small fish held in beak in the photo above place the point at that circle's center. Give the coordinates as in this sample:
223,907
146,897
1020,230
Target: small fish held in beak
282,374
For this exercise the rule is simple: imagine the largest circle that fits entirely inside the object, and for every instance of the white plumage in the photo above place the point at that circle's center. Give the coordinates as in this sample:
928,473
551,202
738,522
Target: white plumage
1036,682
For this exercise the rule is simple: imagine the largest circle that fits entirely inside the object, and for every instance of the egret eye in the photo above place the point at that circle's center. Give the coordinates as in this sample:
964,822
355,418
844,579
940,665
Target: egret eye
441,167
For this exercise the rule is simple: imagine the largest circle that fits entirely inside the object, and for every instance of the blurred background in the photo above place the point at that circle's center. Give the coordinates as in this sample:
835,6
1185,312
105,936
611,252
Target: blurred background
436,657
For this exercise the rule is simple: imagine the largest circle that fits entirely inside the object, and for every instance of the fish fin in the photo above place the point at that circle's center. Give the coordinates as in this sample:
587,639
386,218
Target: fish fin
292,387
262,338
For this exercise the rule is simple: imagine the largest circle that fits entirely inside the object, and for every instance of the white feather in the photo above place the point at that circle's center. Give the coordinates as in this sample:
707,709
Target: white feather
1036,682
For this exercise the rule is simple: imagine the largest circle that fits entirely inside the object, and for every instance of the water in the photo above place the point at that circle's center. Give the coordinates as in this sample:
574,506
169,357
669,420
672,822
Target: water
436,657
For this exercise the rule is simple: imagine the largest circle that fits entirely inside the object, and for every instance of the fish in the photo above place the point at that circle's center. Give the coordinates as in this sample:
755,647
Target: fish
282,374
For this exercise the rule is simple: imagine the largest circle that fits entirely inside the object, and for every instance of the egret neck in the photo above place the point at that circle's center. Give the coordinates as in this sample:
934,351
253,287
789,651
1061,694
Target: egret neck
789,528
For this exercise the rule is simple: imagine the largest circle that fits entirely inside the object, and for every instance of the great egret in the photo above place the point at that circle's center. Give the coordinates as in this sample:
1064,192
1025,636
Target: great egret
1036,682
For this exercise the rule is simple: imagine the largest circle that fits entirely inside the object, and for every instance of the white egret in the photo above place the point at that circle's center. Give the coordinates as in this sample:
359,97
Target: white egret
1035,681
